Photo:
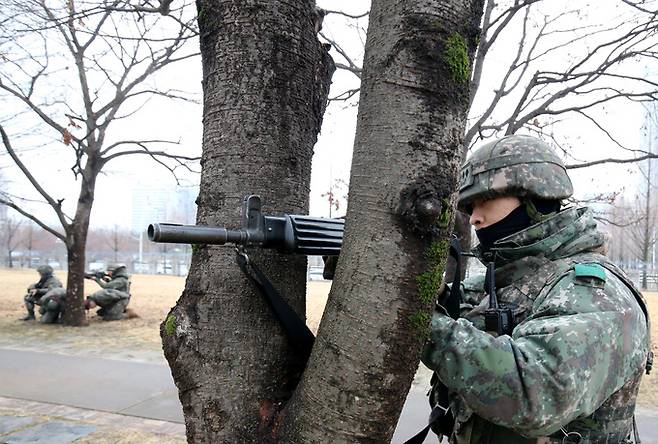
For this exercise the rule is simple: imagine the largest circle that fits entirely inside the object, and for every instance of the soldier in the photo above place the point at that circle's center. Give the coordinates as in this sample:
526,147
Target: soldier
569,366
52,305
36,291
115,295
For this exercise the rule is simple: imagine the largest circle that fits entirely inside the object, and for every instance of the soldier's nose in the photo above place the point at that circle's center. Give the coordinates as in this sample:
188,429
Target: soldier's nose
476,219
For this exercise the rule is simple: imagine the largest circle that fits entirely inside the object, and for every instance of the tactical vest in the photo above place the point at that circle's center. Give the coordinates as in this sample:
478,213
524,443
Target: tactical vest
613,421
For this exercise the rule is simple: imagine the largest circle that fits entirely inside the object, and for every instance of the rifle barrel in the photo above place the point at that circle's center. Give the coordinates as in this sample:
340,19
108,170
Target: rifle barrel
195,234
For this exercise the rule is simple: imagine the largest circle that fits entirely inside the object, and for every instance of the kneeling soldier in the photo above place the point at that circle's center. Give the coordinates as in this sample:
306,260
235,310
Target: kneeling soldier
115,295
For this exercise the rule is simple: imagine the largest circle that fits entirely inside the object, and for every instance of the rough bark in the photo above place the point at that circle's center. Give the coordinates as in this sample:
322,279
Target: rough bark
76,245
407,152
265,81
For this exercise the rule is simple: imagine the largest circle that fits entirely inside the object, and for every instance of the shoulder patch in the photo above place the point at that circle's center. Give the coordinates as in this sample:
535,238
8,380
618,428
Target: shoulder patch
589,271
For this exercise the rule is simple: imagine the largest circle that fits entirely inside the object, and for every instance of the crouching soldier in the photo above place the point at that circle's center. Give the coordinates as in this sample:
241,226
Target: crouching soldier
52,305
35,292
115,295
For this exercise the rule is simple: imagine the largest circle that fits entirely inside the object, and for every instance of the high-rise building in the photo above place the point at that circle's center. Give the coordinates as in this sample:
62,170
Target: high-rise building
173,204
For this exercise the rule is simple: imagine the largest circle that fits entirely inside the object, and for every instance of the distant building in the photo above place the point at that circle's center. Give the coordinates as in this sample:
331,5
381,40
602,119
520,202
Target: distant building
174,204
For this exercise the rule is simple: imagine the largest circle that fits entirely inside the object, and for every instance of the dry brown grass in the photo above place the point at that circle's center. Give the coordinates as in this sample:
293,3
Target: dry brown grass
152,297
137,338
131,338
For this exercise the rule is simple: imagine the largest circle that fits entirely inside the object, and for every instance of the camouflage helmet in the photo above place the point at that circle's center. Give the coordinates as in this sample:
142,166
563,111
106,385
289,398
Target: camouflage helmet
45,270
117,269
521,166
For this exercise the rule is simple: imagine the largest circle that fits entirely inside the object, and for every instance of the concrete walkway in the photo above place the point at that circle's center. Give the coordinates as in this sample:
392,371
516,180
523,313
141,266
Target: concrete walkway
136,390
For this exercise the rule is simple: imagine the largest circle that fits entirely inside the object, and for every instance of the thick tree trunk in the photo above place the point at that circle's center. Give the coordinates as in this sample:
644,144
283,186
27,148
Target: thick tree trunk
408,146
265,80
76,241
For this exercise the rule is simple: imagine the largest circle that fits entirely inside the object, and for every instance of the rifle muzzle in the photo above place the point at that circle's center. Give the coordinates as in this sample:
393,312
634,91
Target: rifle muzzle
194,234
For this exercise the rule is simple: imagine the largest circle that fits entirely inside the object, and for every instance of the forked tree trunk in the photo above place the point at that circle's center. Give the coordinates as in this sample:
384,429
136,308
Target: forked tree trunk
412,113
265,81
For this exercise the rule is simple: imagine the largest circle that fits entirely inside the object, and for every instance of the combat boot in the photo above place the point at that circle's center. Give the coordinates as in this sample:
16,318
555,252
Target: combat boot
29,316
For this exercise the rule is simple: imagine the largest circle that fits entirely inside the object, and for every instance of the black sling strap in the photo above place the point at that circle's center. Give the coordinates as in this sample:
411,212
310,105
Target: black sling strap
440,414
299,335
301,338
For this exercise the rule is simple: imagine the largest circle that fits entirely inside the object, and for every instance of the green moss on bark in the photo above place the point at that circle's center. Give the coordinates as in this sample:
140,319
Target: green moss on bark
170,324
456,57
421,322
429,281
443,221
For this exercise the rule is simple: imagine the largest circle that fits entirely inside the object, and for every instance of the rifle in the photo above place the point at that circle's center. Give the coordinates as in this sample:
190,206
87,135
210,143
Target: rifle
95,274
287,233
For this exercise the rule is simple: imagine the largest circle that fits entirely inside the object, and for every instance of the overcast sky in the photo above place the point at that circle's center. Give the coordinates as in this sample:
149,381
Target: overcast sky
182,121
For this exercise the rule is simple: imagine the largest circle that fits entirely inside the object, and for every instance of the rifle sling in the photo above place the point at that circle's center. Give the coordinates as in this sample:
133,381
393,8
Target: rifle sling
299,335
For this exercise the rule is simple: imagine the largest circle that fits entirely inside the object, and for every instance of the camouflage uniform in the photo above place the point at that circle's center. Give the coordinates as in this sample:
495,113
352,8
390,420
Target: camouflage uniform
47,282
52,305
115,295
571,368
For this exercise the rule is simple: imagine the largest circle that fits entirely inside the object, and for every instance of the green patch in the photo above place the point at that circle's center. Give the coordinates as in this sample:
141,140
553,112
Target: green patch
429,282
589,271
196,248
170,324
443,220
421,322
455,56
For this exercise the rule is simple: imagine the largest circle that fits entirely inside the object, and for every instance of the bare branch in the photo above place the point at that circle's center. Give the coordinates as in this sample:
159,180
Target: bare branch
138,142
601,161
56,205
344,14
33,218
351,66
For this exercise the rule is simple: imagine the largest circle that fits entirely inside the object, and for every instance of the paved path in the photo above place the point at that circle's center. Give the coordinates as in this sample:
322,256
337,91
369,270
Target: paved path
128,390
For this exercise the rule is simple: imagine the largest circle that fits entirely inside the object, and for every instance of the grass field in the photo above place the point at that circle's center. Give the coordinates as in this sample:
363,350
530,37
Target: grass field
139,338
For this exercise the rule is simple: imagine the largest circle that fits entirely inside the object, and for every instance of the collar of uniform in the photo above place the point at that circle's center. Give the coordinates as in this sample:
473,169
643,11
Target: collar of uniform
570,231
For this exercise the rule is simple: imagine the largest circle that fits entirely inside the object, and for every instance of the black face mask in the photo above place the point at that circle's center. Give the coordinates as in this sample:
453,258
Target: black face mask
514,222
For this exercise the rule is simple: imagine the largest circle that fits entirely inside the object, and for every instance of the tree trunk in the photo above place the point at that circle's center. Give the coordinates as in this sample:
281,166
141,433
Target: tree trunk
408,146
265,80
76,241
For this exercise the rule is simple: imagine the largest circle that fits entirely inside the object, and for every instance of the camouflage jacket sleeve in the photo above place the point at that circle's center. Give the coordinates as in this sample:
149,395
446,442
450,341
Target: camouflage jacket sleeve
580,344
51,282
119,283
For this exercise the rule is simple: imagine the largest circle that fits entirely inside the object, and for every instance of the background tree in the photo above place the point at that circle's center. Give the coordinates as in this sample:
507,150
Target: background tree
571,64
235,371
116,239
10,237
79,67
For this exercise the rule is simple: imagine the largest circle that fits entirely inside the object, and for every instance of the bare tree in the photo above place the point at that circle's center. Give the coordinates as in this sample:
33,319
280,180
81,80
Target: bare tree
28,242
78,68
11,238
116,239
336,195
238,377
567,65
